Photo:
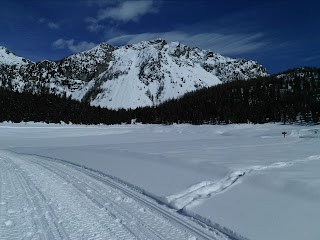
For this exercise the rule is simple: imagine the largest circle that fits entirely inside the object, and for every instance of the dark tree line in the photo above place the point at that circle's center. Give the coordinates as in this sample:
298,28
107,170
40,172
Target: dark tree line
293,97
50,108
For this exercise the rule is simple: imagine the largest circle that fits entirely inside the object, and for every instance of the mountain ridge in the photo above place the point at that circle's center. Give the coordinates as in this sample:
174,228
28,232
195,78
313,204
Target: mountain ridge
9,58
137,75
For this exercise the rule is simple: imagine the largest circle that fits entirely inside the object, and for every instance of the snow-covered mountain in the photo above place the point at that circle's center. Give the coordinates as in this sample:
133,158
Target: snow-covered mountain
9,58
143,74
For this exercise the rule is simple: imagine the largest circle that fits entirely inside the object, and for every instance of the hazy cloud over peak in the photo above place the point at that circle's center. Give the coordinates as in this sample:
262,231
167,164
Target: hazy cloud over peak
229,44
72,46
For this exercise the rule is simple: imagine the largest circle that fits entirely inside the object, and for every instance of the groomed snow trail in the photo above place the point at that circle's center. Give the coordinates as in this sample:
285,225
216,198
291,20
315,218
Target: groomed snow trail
47,199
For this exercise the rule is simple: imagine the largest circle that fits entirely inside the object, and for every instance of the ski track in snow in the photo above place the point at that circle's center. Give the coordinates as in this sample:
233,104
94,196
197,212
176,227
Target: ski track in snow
198,192
47,199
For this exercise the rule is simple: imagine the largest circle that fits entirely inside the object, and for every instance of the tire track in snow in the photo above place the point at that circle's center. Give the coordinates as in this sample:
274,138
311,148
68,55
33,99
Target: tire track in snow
28,214
87,205
147,216
99,197
207,189
80,216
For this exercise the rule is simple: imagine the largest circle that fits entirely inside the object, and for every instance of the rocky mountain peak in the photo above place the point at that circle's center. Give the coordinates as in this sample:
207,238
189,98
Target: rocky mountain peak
9,58
143,74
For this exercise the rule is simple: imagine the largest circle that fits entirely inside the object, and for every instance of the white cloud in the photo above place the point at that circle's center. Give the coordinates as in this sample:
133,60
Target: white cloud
94,26
70,44
228,44
127,11
311,58
53,25
42,20
119,11
50,24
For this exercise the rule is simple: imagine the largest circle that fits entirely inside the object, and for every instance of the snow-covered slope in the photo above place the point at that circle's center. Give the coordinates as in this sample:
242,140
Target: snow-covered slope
148,74
9,58
143,74
152,72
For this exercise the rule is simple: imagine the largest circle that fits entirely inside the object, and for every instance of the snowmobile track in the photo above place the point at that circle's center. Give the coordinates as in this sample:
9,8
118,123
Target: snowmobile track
48,199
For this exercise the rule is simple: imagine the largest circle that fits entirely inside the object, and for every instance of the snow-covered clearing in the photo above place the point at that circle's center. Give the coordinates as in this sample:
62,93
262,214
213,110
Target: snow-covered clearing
247,178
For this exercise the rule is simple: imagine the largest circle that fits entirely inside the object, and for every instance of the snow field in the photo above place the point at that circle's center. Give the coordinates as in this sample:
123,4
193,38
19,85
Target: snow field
247,178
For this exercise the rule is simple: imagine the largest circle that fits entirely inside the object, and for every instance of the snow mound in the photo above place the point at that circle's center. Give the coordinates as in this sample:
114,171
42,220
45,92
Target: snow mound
306,133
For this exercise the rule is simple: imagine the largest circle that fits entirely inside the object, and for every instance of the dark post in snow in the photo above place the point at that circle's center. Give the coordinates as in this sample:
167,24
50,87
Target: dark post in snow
284,134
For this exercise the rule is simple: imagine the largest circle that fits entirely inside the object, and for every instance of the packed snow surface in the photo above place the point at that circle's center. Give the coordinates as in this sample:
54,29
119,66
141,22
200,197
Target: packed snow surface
43,199
247,178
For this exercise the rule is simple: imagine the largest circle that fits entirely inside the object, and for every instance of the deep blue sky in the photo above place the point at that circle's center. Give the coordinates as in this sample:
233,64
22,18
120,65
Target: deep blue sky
277,34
